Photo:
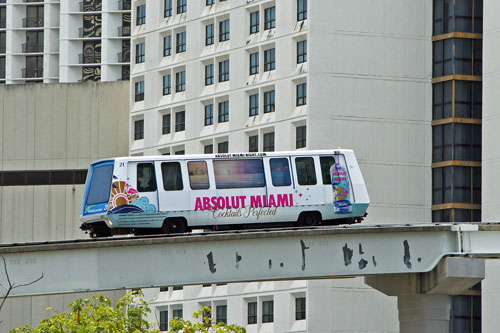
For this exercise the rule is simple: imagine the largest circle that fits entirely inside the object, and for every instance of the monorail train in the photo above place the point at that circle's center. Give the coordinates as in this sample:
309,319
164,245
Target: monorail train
176,194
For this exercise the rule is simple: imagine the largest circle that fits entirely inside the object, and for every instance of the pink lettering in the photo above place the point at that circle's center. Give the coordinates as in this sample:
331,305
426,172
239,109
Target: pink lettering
255,201
242,198
282,200
228,205
214,203
235,202
198,205
206,203
221,204
272,202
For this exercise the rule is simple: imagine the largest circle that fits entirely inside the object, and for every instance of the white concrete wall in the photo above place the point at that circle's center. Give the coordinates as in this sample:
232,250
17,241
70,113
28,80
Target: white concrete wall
53,126
490,208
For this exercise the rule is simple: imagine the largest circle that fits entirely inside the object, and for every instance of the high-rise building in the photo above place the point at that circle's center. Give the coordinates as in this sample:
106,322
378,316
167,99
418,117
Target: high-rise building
235,75
64,41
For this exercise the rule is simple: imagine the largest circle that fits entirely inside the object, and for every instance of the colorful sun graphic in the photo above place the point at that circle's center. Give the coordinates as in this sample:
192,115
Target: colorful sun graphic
122,194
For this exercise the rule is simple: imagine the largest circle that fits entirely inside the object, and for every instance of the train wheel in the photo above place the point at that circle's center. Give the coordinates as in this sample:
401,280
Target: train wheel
174,226
309,219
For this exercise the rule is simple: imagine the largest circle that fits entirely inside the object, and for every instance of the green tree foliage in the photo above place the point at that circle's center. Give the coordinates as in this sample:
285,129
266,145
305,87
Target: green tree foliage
204,326
128,316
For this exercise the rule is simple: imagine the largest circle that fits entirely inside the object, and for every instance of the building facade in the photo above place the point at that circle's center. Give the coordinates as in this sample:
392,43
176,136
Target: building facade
64,41
218,76
49,134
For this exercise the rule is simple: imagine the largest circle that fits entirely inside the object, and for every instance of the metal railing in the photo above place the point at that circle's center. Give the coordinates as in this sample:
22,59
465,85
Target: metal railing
32,0
2,73
91,7
124,31
80,34
32,72
32,47
89,59
2,24
2,48
124,5
32,22
123,57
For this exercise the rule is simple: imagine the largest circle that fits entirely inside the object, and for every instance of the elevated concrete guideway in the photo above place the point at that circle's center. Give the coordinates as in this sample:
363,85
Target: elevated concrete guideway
276,254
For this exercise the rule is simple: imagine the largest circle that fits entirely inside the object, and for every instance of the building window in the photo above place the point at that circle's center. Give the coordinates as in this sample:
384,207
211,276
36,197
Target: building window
210,2
139,91
223,112
141,14
465,313
301,94
268,308
254,63
180,152
174,288
453,56
208,149
269,141
224,71
270,18
301,51
254,22
301,10
300,137
180,42
209,34
140,53
269,60
180,121
209,114
221,312
209,74
167,45
168,8
165,124
180,81
223,147
253,146
269,101
181,6
177,313
224,30
139,129
300,308
253,103
163,320
167,84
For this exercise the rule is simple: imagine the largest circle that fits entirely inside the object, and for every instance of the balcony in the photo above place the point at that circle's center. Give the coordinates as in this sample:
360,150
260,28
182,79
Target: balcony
29,73
89,59
32,1
124,31
80,34
32,48
2,24
32,22
124,5
2,73
2,48
90,6
123,57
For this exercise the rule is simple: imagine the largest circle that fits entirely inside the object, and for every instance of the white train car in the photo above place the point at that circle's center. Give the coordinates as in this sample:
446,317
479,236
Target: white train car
175,194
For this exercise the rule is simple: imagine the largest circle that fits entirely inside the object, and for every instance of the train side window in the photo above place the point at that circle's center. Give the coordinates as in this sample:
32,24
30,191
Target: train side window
239,173
146,179
326,163
198,175
306,174
172,176
280,172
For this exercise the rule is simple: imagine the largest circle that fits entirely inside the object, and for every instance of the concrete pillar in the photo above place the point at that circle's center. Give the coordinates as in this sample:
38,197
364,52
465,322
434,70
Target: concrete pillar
424,313
424,298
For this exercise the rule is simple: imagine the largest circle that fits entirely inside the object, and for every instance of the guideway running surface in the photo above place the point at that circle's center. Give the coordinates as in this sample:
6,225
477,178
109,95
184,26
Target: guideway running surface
326,252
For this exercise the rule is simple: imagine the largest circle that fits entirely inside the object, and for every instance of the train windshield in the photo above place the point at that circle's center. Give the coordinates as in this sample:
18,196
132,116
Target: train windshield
100,184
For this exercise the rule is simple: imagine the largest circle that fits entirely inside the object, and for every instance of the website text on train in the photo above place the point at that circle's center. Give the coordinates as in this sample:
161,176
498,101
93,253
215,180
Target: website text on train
176,194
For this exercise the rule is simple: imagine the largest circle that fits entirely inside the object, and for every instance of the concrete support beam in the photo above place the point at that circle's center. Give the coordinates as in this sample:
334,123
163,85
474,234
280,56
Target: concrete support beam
424,298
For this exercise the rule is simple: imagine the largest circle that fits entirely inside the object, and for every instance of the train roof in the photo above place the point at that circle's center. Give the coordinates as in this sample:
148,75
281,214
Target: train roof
227,155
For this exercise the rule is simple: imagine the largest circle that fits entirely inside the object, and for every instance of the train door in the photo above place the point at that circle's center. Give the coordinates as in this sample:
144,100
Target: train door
173,192
201,187
279,185
308,179
326,162
142,178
